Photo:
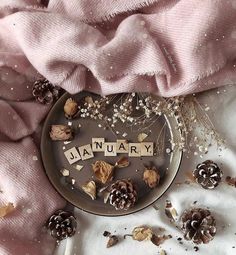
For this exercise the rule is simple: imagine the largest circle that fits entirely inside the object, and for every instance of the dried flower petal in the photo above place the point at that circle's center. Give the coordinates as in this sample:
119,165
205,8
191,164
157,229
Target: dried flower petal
122,162
61,133
79,167
142,137
158,240
65,172
230,181
170,211
6,209
90,189
142,234
103,171
162,252
89,100
151,177
70,108
113,240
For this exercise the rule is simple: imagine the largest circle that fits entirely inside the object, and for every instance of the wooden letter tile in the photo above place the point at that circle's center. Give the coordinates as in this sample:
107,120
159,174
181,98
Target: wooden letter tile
122,146
147,149
110,149
98,144
134,150
86,152
72,155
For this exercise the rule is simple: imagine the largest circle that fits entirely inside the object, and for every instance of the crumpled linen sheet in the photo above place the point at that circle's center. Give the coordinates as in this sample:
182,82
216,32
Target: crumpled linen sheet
163,47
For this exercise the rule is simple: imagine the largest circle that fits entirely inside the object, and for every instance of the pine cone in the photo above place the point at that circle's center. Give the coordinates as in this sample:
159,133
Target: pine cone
122,195
198,225
62,224
208,174
44,92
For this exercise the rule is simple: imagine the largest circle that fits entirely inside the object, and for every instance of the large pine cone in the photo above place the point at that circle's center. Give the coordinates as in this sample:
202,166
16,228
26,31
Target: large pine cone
45,92
122,195
208,174
62,224
198,225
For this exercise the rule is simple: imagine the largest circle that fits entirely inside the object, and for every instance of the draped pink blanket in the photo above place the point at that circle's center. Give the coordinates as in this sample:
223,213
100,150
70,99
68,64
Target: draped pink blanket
167,47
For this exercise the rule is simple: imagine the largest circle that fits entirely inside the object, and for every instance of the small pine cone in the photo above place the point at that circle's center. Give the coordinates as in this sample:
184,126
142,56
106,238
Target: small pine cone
122,195
62,224
198,225
208,174
45,92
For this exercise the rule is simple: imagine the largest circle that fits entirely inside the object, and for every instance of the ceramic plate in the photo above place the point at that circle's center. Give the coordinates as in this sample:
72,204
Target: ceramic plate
161,130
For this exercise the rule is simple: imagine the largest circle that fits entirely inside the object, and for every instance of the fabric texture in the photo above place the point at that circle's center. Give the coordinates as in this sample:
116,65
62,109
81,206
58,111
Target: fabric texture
220,201
166,47
23,181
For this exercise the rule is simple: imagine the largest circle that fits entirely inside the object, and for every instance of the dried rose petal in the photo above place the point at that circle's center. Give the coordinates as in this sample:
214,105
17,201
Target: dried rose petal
6,209
90,189
103,171
89,100
61,133
230,181
162,252
70,108
113,240
122,162
142,233
170,211
158,240
151,177
142,137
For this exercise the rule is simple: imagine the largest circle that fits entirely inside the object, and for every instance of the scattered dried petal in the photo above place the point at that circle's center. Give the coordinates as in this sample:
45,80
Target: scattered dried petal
70,108
142,234
61,132
151,177
231,181
162,252
65,172
122,162
158,240
90,189
113,240
79,167
89,100
6,209
103,171
170,211
142,137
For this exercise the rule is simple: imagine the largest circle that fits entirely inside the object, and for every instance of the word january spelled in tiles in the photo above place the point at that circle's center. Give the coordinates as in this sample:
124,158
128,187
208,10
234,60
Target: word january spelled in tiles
110,149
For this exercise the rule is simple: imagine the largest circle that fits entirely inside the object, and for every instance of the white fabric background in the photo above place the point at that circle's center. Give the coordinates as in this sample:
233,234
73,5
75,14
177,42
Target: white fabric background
221,201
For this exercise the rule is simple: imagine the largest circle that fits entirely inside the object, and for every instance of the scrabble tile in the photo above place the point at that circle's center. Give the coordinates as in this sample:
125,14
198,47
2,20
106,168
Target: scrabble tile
110,149
147,149
86,152
122,146
98,144
134,149
72,155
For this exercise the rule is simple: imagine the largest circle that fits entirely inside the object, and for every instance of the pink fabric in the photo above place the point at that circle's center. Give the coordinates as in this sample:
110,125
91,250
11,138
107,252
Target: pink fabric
22,180
166,47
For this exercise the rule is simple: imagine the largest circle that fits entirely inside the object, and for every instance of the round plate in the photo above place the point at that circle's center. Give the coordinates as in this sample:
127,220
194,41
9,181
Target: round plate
161,131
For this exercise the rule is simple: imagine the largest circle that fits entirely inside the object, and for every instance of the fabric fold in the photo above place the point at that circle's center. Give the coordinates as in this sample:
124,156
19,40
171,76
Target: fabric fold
175,45
166,47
